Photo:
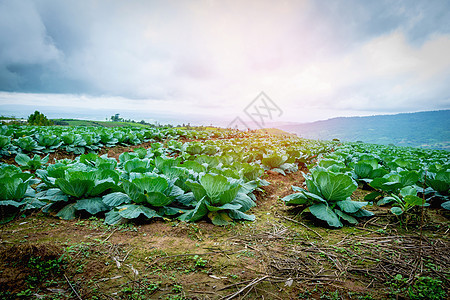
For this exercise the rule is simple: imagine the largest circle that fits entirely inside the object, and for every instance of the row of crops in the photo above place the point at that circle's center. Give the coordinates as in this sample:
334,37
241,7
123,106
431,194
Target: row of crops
79,140
213,178
404,178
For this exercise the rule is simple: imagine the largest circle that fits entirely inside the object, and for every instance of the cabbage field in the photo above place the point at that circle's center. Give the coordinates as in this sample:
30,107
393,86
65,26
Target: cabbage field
230,214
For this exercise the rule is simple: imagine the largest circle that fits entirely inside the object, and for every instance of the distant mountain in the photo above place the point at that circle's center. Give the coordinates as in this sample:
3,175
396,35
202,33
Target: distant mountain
429,129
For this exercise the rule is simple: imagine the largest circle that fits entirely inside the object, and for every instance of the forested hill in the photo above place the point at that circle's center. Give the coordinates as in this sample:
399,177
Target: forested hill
429,129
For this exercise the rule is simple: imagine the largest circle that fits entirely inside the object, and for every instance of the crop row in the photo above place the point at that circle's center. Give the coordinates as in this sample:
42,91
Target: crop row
80,140
405,178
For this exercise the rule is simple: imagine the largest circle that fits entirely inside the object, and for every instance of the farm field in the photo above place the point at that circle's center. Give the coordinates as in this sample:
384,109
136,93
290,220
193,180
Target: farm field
170,213
73,122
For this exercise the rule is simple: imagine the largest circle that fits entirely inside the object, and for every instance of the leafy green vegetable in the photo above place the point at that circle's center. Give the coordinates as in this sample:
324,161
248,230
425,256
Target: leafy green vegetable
328,197
404,201
219,199
439,181
30,164
15,193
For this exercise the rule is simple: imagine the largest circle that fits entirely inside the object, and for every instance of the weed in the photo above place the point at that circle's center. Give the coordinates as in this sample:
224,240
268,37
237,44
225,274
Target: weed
199,262
81,248
194,232
246,253
96,223
304,295
331,295
177,288
144,289
7,295
43,269
43,272
397,285
25,293
423,288
175,297
80,223
359,296
427,288
125,227
339,250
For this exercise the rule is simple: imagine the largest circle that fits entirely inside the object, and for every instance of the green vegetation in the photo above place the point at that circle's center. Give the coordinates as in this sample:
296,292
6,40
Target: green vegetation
27,163
16,194
152,177
79,140
404,202
39,119
427,288
88,123
215,179
407,177
423,288
328,197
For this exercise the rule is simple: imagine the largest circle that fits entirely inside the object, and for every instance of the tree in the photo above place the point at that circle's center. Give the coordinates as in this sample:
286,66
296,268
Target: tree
116,118
39,119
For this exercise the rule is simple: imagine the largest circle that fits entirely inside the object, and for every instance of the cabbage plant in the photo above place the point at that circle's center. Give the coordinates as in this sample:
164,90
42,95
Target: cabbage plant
394,181
404,201
6,147
28,144
219,199
439,181
28,163
15,192
367,170
146,195
279,162
50,142
77,187
328,197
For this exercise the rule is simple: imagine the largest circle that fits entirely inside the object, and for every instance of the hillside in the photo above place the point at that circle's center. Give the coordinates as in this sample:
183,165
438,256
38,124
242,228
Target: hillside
76,122
422,129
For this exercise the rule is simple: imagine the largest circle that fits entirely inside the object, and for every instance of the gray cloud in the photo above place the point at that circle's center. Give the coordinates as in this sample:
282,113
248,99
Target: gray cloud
218,54
362,20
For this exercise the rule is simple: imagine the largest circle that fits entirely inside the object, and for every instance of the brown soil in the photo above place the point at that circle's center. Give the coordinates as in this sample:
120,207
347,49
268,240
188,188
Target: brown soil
165,259
15,260
117,150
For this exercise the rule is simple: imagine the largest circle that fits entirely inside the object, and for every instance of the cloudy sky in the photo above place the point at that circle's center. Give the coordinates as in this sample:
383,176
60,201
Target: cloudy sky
205,61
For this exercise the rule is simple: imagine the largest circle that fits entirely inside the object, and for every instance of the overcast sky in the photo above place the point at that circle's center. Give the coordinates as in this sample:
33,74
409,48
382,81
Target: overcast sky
204,60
